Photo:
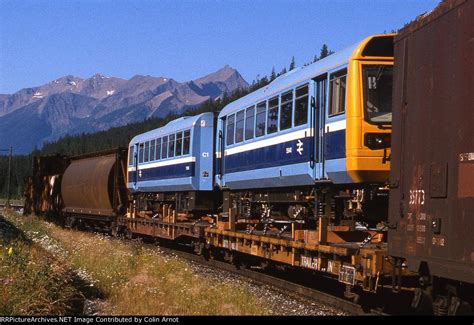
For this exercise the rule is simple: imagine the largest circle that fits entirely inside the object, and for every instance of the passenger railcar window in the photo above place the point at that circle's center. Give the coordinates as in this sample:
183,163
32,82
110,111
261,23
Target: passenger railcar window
301,105
377,81
171,145
179,143
164,148
286,110
186,142
249,122
230,129
147,151
130,156
152,150
141,150
239,127
272,120
261,112
337,100
158,149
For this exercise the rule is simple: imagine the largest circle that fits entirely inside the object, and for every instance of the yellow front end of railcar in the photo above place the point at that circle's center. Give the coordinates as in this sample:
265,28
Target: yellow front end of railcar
369,98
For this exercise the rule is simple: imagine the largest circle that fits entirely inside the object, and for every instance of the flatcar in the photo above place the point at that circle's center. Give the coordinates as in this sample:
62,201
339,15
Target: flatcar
314,143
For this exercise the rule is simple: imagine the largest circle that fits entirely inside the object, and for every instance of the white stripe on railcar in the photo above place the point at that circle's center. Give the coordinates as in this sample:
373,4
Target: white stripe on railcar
164,163
300,134
335,126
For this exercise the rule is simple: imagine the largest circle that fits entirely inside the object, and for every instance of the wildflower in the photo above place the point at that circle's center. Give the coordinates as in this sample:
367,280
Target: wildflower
10,251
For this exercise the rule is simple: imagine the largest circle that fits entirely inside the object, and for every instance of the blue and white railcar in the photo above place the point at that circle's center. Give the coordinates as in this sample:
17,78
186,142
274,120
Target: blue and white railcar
327,122
176,157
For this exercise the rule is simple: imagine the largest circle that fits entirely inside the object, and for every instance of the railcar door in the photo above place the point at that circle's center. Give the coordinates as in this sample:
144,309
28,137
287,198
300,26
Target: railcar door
135,166
318,106
219,152
222,148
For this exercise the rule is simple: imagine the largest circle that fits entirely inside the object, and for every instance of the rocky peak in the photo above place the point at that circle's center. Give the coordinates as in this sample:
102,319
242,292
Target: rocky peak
70,105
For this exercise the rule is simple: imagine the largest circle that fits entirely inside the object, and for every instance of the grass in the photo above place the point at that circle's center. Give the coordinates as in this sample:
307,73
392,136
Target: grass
138,280
33,281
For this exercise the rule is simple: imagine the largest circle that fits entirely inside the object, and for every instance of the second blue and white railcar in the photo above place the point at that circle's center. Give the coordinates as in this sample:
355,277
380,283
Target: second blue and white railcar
176,157
170,169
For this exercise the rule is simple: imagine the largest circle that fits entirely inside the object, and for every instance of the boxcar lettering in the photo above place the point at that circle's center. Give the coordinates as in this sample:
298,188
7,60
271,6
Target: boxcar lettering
467,156
420,228
420,240
438,241
421,216
417,197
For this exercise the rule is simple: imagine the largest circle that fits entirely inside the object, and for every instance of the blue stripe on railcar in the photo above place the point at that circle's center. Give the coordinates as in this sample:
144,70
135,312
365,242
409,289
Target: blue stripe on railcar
165,172
335,145
287,153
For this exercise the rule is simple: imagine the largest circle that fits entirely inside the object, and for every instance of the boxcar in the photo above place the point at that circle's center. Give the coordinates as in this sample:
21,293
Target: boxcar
431,205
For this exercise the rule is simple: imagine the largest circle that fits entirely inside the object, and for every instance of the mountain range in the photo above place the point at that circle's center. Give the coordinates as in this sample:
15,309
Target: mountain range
72,105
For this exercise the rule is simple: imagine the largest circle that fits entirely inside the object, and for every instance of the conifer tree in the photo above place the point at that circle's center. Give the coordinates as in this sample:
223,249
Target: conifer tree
273,74
324,52
292,64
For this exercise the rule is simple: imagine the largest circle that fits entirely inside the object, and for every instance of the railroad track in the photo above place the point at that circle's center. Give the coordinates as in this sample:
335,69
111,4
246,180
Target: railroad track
281,285
16,207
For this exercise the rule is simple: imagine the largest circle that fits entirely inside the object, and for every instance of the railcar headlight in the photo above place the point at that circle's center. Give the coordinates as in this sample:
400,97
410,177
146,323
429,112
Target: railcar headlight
376,141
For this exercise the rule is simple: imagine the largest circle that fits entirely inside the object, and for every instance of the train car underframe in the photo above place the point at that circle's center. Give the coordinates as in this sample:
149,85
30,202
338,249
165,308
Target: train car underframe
307,227
182,206
340,207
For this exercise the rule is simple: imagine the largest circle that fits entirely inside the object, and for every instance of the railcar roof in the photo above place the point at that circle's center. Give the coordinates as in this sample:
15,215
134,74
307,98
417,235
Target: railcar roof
292,78
181,123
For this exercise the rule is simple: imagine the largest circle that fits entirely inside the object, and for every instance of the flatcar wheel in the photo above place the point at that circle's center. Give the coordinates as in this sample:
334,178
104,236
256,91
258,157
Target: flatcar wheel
70,222
459,307
199,248
113,229
242,264
212,254
351,295
422,303
128,234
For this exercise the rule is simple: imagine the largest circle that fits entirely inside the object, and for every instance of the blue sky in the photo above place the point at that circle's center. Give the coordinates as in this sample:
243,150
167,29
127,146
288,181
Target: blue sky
44,40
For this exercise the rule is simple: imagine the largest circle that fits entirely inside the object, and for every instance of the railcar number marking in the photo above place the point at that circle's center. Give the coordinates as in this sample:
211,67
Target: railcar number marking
438,241
347,275
417,197
205,154
468,156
